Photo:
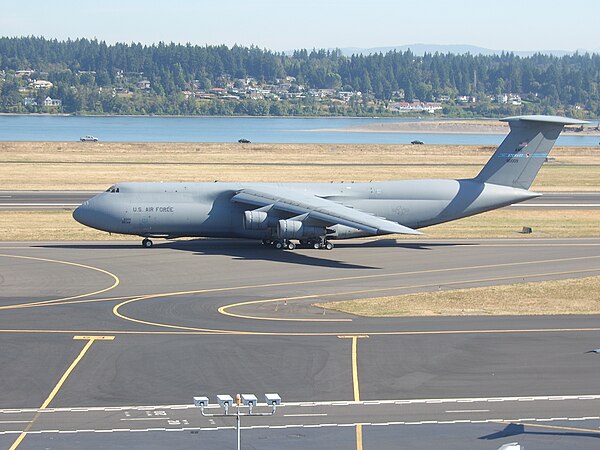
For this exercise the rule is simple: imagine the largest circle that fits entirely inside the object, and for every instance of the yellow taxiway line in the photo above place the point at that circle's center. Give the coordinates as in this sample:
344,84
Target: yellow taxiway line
116,281
223,310
90,341
70,300
355,385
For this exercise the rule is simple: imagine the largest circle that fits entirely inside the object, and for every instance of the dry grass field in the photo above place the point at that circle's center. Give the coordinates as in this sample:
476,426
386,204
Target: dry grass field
95,166
576,296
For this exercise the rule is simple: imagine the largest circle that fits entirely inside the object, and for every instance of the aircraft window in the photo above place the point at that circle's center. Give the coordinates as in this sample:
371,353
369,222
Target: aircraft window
112,189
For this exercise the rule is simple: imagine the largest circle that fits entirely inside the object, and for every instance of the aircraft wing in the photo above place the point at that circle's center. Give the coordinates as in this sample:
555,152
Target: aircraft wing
320,209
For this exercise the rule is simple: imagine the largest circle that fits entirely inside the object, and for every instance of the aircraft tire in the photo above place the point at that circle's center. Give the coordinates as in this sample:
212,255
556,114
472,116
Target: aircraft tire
329,246
316,246
291,246
278,245
147,243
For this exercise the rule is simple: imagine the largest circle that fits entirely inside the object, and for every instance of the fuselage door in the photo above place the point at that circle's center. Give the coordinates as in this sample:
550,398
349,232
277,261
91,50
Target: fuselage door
143,219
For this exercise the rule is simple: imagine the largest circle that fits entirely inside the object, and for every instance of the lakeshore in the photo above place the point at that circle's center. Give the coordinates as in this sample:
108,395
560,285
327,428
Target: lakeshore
455,126
267,130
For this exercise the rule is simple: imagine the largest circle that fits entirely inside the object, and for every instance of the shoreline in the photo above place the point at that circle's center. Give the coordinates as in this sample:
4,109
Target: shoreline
450,126
388,125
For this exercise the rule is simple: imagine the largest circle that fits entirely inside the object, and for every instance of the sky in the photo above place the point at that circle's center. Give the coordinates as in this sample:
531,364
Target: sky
518,25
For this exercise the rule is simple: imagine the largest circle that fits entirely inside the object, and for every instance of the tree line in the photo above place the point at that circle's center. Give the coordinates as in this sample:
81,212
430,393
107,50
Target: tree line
87,73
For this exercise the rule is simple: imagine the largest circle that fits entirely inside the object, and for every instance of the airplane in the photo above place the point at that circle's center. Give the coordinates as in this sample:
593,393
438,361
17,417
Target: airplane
314,214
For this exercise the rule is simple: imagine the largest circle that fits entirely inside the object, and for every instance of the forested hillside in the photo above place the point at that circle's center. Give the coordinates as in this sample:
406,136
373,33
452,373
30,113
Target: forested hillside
89,76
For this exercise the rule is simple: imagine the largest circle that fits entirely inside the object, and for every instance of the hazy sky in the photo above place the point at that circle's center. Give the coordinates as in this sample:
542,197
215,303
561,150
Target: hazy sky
287,25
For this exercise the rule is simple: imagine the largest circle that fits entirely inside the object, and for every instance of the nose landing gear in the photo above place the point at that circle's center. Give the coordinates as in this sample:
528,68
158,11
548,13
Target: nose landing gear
147,243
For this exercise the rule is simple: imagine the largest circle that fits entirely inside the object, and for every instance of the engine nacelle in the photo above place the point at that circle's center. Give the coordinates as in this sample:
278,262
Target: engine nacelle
344,232
256,220
294,229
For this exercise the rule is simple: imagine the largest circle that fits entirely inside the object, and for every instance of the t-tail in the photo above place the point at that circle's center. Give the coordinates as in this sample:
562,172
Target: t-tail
520,156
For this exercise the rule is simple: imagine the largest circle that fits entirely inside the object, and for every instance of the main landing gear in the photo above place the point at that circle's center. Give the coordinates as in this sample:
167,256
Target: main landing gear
147,243
322,244
284,244
280,244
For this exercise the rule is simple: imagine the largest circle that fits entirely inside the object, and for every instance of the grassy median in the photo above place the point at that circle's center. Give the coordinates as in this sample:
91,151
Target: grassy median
574,296
95,166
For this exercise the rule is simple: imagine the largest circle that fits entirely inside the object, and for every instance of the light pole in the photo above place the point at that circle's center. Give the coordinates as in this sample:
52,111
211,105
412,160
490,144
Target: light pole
248,400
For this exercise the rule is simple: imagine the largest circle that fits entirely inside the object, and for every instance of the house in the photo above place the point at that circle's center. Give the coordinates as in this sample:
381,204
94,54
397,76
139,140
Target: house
52,102
347,95
218,91
41,84
144,84
29,101
23,73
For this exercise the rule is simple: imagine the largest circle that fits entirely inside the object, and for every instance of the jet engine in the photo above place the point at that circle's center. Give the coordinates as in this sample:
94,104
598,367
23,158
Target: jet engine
295,229
344,232
256,220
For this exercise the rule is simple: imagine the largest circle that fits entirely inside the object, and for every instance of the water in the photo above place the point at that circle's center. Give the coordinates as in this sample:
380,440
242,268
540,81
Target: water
230,129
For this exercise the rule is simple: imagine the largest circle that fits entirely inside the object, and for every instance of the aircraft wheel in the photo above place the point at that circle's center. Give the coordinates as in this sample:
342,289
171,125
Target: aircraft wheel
329,246
147,243
278,245
291,246
316,246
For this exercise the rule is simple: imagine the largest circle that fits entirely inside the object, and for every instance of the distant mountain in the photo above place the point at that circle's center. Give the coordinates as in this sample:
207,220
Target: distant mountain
457,49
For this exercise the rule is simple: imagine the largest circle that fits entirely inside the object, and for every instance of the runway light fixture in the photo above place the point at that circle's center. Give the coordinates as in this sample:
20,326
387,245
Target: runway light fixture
241,400
225,401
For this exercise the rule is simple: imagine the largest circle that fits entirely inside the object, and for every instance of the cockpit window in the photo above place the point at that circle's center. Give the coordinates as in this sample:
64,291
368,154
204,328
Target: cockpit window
112,189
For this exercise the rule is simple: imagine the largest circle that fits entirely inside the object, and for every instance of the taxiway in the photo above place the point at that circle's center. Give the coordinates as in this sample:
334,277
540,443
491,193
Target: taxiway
101,340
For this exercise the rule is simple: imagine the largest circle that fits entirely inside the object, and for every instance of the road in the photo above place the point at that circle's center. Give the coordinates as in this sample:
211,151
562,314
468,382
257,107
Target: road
56,200
105,344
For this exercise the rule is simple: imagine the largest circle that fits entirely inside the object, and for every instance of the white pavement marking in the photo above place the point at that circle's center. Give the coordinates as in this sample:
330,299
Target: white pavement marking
324,425
557,205
318,404
305,415
146,418
467,410
39,204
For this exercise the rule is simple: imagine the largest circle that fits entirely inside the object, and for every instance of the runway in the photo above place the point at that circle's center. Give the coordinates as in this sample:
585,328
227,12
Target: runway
105,344
57,200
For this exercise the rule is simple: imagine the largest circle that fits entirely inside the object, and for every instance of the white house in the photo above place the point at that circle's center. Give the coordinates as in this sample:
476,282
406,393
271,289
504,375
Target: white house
52,102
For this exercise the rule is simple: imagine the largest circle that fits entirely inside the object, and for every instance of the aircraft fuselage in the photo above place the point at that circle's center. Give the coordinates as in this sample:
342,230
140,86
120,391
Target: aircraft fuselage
205,209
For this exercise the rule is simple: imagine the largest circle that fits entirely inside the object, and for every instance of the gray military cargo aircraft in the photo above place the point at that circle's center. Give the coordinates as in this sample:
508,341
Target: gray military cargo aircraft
316,213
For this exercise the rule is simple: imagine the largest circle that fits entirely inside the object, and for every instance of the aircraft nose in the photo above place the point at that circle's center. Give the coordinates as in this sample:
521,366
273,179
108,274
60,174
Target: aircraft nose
79,214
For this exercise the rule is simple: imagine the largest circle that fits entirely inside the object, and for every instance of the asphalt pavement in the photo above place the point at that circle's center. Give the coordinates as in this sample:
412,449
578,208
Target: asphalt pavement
105,344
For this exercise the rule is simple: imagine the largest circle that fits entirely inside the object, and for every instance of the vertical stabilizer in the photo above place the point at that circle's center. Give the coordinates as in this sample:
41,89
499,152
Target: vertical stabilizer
520,156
